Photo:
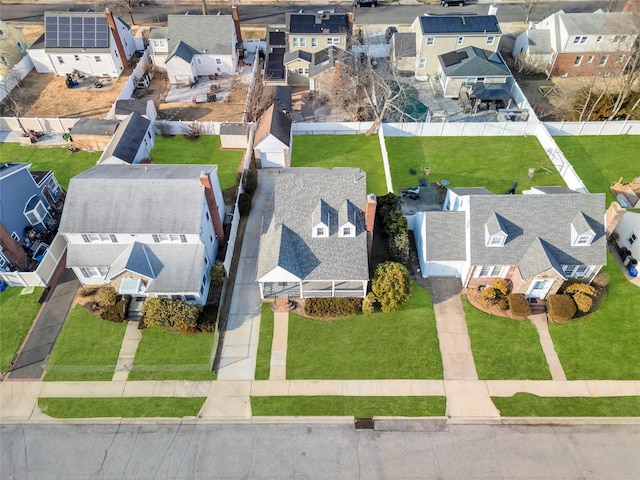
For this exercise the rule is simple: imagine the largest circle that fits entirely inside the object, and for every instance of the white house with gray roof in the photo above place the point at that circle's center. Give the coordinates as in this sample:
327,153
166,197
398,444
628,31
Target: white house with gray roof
149,230
195,45
314,238
537,240
131,143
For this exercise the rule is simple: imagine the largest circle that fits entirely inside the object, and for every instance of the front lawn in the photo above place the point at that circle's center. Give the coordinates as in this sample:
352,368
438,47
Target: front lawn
329,151
490,162
263,361
396,345
63,163
166,355
601,160
504,349
528,405
17,313
205,151
87,348
359,407
604,344
127,407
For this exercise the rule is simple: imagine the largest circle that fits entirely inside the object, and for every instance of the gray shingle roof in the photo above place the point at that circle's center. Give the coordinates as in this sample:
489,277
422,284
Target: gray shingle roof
135,199
404,44
598,23
211,32
473,61
127,140
182,50
95,126
445,236
137,258
539,41
287,239
297,55
276,123
452,25
536,224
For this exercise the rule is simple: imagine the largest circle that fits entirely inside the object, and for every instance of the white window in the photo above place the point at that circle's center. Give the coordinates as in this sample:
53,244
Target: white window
314,42
190,298
157,43
300,42
88,272
333,41
460,41
99,238
37,214
583,240
76,58
631,239
578,61
97,58
320,232
60,60
15,236
3,260
431,41
490,271
619,38
619,59
423,63
198,60
4,60
603,60
218,61
599,39
20,46
302,71
346,231
490,40
496,241
169,238
579,40
572,271
590,59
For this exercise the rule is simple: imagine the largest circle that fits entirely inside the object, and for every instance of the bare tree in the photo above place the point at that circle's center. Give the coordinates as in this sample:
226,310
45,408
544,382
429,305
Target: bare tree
14,102
631,73
204,7
610,5
529,64
529,6
120,8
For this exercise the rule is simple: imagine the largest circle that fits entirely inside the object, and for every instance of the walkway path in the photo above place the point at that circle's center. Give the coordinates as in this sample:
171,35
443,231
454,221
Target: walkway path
555,367
46,328
278,367
132,337
238,360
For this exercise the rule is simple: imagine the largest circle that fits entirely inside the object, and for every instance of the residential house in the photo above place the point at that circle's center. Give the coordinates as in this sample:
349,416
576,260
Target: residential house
131,143
28,201
89,43
13,48
468,66
195,45
437,35
627,233
314,240
149,230
272,144
275,72
305,69
312,32
578,44
537,240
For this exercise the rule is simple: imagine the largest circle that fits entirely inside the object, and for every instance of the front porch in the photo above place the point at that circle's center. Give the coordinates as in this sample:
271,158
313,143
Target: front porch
311,289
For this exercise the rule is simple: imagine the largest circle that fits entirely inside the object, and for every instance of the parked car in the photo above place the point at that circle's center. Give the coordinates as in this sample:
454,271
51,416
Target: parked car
446,3
365,3
389,33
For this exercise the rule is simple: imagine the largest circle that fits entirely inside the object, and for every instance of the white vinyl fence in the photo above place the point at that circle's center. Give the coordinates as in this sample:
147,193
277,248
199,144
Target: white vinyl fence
626,127
460,129
331,128
42,275
137,75
180,128
15,76
48,125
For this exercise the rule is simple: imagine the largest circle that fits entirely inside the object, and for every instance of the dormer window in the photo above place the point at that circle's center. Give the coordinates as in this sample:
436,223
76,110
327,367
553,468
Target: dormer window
494,234
581,233
321,232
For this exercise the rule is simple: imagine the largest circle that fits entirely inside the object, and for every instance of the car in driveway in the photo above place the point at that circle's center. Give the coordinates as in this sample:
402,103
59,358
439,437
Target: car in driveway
365,3
446,3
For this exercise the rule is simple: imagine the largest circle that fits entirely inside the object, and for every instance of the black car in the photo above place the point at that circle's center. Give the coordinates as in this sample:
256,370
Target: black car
446,3
365,3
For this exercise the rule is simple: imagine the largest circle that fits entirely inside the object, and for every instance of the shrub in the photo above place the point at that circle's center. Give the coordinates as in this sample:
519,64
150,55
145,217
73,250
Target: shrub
244,204
502,285
489,296
171,314
561,307
88,291
394,222
369,303
250,181
583,301
399,247
503,304
391,285
117,312
519,305
107,295
218,273
332,307
163,129
194,131
580,288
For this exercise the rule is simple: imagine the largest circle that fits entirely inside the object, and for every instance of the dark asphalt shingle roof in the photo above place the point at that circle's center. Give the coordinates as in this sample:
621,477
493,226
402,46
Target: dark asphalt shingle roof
309,23
276,123
126,142
458,24
213,33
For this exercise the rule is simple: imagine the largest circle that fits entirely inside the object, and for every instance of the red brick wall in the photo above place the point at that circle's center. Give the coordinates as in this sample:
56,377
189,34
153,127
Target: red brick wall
12,249
565,64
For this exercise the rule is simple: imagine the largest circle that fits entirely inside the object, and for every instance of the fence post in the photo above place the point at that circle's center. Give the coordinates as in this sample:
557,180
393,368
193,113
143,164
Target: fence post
604,124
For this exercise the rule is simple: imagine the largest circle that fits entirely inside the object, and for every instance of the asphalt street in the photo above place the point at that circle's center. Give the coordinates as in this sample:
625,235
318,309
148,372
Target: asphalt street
317,451
275,13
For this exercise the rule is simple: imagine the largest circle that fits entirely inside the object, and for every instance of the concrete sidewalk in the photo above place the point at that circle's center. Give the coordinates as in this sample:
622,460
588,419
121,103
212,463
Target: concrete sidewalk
278,365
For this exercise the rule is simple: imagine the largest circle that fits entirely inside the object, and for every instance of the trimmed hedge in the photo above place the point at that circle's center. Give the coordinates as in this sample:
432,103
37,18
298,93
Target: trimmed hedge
519,305
580,287
583,301
561,307
332,307
502,285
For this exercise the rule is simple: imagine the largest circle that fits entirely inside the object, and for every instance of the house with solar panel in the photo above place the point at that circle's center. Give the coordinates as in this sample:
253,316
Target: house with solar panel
97,44
148,230
195,45
537,240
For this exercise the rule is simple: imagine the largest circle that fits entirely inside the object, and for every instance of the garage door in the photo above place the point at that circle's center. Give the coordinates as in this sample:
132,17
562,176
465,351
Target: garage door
272,159
436,269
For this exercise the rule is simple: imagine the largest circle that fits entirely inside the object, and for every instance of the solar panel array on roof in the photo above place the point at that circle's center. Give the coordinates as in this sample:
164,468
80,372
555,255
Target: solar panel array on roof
76,32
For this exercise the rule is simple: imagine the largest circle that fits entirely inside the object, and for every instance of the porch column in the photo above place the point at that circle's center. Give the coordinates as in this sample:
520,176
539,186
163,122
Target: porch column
261,286
333,288
301,296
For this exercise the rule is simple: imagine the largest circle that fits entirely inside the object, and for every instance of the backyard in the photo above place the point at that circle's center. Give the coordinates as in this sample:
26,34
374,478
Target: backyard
18,313
601,160
204,150
64,164
490,162
504,349
604,344
329,151
396,345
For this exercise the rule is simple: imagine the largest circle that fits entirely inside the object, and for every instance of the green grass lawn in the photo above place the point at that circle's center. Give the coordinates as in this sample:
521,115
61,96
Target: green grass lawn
204,150
601,160
528,405
17,313
604,344
329,151
129,407
87,348
166,355
490,162
396,345
504,349
263,361
359,407
63,163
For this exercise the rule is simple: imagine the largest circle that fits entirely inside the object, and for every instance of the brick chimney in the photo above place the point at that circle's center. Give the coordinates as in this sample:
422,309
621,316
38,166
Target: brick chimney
116,36
205,180
236,22
370,212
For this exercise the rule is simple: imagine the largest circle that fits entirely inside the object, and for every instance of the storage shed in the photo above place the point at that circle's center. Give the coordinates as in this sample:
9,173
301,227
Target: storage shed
272,146
234,135
93,134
